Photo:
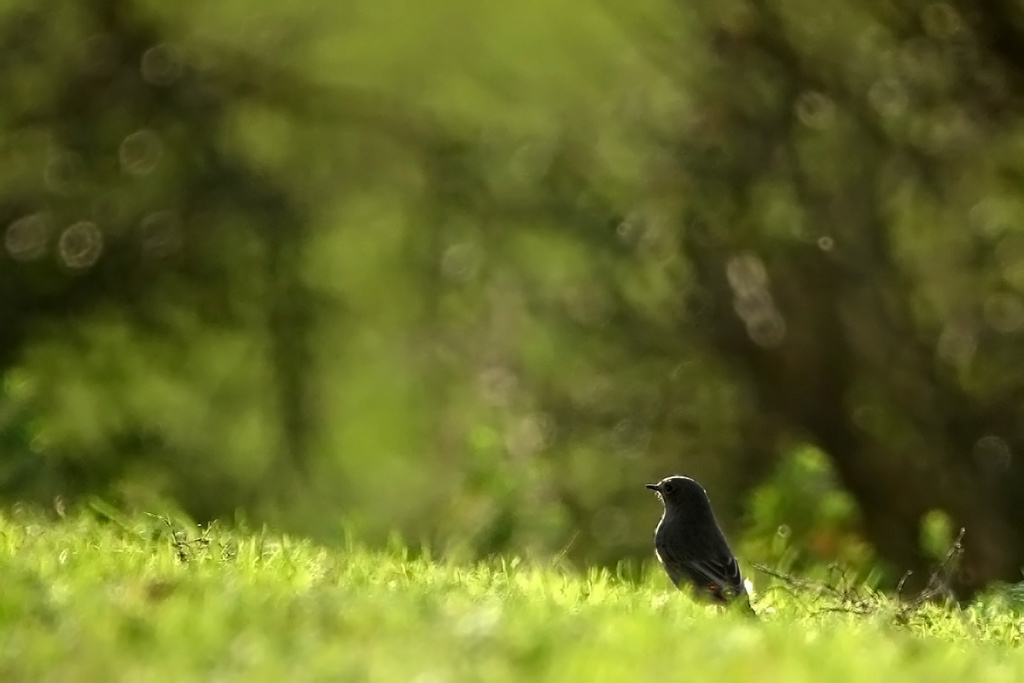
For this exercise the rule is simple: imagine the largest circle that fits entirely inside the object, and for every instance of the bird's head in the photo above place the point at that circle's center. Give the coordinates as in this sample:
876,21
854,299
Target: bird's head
680,492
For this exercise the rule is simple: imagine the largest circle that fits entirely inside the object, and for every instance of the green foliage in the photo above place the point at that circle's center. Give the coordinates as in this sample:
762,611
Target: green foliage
356,276
91,598
937,533
800,518
473,273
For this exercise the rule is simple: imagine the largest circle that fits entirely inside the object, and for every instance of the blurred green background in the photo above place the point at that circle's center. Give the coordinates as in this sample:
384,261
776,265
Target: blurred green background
474,273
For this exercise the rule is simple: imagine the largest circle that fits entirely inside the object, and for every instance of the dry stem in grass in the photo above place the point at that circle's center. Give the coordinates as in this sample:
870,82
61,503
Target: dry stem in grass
849,597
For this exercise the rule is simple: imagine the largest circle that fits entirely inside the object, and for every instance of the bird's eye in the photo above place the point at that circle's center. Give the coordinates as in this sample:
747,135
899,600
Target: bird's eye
667,488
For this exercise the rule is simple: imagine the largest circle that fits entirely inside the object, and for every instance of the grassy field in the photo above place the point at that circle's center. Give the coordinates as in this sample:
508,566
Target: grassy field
139,599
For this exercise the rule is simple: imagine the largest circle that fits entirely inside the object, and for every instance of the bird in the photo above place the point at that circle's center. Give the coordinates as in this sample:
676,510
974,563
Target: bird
692,548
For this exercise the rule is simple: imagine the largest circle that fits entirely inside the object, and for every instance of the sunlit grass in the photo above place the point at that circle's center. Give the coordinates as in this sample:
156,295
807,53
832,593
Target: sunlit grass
142,599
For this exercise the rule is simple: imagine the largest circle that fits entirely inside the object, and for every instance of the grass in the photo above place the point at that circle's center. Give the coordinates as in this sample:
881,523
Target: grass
82,599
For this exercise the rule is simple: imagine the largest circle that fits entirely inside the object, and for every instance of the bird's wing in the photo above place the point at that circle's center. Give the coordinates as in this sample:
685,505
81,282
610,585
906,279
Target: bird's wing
717,572
717,575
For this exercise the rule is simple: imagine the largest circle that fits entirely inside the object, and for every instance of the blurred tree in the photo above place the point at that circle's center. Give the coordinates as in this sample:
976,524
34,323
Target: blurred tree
119,190
847,213
746,227
126,190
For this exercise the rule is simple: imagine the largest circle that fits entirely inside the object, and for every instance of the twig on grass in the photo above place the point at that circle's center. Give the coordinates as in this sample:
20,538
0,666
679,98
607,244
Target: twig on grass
860,600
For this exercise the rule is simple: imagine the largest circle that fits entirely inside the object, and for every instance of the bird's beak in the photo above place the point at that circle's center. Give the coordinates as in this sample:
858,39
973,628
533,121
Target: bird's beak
653,487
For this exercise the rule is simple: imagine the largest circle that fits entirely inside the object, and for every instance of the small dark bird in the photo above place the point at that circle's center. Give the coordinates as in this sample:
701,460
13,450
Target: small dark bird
691,546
